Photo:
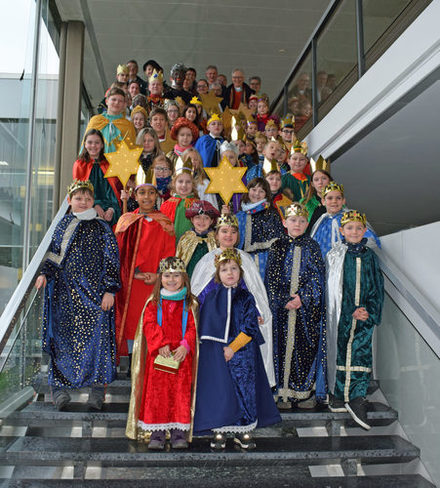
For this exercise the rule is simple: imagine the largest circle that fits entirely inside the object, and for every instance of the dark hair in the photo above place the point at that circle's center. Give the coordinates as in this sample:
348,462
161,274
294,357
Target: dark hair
133,82
258,182
217,270
85,156
255,78
158,111
273,172
211,66
193,70
311,189
153,63
82,190
133,61
196,120
205,81
115,91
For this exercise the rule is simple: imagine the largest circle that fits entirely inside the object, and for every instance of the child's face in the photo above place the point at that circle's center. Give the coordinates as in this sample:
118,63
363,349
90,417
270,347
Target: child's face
260,145
115,104
295,225
262,108
155,88
320,181
148,143
138,121
173,113
256,193
334,202
215,128
231,156
249,148
297,162
184,184
251,129
227,237
287,134
93,145
133,90
229,273
271,131
191,114
253,104
353,232
201,223
122,77
272,150
274,181
172,281
158,123
184,137
81,201
241,146
282,156
146,198
161,168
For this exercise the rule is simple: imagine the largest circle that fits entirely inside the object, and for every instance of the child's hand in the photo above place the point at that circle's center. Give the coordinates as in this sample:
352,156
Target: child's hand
294,304
108,214
165,351
180,353
107,301
99,211
226,210
150,278
41,281
140,276
260,321
228,353
361,314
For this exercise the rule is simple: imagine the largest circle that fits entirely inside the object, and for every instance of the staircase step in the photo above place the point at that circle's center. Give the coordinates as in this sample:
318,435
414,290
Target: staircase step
224,479
115,415
289,450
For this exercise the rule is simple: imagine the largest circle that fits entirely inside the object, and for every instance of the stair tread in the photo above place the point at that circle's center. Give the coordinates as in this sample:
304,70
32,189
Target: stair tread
313,449
383,481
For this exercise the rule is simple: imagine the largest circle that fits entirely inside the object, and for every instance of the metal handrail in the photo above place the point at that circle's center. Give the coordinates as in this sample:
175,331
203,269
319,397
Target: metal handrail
429,316
16,303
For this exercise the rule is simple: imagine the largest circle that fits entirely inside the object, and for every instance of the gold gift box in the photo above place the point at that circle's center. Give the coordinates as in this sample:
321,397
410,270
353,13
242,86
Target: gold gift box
168,365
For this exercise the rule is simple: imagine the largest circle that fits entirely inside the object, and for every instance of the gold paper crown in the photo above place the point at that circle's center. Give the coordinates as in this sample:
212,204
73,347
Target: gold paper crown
80,185
172,265
269,165
319,164
122,69
353,216
227,220
288,120
296,209
156,76
227,255
214,117
237,134
332,186
271,123
299,146
139,109
195,101
183,167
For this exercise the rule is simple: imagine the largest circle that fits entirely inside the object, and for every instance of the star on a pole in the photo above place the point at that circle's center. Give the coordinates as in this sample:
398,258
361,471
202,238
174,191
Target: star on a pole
226,180
210,102
123,162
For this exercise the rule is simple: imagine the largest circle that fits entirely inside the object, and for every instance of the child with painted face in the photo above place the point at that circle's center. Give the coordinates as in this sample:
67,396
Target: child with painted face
145,236
295,282
164,357
296,180
233,393
355,294
200,240
326,229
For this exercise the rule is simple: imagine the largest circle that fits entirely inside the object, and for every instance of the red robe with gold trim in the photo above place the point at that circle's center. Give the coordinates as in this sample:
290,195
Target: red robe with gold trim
142,243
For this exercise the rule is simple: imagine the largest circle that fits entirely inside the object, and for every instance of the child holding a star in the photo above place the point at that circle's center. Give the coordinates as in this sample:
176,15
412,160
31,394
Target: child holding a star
144,237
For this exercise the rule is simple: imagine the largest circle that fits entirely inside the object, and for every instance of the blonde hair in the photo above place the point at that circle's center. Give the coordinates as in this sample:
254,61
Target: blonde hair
190,299
194,184
199,175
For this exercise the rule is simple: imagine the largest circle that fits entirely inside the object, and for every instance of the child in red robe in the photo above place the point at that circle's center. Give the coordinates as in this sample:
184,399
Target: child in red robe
144,237
162,397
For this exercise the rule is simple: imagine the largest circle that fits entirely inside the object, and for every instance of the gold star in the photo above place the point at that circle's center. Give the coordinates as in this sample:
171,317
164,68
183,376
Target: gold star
246,111
226,180
210,102
124,162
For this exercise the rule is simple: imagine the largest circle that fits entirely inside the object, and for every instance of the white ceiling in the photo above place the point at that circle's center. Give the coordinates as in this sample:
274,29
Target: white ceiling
263,37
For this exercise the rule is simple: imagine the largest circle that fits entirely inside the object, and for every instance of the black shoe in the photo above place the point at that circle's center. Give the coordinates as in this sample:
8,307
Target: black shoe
336,405
61,399
178,439
129,366
245,441
157,440
218,441
96,397
357,408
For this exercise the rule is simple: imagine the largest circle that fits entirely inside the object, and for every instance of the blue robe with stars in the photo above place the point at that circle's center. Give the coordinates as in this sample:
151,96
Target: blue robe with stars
82,264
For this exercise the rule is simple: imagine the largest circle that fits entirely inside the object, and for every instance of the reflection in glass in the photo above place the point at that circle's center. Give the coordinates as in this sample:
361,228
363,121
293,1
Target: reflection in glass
300,94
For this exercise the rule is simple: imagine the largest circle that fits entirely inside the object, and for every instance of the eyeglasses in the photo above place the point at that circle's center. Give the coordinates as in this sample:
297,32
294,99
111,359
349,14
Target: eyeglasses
288,131
161,169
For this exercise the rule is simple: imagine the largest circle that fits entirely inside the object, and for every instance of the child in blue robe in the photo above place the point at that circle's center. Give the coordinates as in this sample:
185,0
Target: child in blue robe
233,393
